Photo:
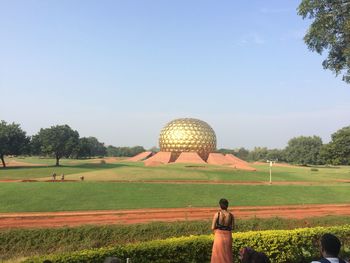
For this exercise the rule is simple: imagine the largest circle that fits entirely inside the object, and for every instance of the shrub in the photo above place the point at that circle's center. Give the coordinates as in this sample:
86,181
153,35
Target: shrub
282,246
16,243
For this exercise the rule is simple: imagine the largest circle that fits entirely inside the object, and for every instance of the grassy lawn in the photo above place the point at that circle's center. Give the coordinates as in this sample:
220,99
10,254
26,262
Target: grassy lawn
36,172
138,172
20,197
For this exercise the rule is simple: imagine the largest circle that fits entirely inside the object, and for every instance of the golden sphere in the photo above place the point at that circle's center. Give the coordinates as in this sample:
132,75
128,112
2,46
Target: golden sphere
187,135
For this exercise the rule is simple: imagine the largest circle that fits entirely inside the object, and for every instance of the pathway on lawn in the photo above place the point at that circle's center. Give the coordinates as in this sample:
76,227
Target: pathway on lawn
76,218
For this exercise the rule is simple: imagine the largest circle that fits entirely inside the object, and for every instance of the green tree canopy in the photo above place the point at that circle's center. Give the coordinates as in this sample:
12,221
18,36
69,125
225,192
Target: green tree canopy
13,140
276,155
330,30
304,150
59,141
124,151
89,147
338,150
258,154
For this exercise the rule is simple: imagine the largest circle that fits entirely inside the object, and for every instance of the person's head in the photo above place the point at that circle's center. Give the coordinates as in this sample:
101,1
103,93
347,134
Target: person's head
248,255
223,204
330,245
112,260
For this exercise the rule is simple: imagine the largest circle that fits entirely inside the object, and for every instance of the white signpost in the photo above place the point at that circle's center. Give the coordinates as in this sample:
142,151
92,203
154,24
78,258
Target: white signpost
271,163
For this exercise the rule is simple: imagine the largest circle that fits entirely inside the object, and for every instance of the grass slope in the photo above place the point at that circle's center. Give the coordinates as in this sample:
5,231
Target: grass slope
73,169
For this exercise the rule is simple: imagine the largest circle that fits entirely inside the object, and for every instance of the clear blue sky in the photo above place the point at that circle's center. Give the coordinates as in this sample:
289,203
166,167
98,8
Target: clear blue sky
120,70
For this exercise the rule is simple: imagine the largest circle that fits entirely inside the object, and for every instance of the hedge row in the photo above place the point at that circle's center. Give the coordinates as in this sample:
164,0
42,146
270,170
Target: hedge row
282,246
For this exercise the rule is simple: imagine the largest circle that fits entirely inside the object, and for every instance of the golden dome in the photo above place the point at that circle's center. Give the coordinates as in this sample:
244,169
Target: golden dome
187,135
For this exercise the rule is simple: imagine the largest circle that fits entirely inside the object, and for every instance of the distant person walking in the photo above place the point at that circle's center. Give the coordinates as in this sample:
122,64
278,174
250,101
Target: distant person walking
54,177
223,223
330,248
62,177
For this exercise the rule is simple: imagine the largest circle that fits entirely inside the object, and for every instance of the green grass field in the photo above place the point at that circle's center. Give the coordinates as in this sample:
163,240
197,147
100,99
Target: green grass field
127,171
100,191
16,197
97,194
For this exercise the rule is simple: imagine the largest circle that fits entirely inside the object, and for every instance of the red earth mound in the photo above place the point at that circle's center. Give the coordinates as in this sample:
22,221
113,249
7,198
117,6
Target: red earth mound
158,158
238,163
218,159
189,157
140,157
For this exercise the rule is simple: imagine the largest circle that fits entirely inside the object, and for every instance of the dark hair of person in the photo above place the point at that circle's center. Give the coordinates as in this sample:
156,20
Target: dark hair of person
112,260
330,244
249,255
223,204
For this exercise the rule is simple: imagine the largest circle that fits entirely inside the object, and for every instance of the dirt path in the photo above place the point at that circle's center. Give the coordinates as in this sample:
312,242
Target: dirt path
75,218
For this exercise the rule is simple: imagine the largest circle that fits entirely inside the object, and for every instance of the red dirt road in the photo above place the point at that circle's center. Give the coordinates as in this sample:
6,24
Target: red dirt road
76,218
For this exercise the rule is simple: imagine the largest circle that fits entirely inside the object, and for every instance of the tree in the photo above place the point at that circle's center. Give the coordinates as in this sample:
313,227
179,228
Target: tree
35,145
275,155
338,150
258,154
304,150
13,140
89,147
330,30
242,153
226,151
59,141
124,151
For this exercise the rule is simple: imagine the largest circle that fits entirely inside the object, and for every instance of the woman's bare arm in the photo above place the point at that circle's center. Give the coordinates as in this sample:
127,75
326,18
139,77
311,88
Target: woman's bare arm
213,224
233,222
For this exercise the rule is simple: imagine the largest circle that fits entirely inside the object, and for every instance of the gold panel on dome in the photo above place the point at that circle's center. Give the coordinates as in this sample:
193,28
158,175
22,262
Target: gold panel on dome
188,135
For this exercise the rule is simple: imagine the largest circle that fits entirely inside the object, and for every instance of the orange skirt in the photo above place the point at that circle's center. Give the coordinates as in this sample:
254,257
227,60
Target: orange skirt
222,247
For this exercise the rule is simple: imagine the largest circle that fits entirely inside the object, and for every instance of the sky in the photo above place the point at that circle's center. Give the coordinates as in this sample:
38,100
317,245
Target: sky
120,70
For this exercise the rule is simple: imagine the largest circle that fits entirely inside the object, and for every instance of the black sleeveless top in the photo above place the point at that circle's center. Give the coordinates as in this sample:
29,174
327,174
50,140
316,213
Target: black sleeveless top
223,227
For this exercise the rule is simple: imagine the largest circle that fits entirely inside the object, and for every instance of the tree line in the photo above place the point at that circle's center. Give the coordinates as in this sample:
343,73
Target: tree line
59,141
303,150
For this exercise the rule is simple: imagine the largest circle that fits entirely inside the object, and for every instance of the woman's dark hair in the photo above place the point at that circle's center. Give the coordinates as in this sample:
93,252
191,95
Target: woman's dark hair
223,203
112,260
330,244
248,255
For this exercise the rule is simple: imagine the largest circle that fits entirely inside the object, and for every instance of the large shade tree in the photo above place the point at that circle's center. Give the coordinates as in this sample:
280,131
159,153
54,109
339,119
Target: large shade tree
13,140
89,147
59,141
304,150
338,150
124,151
329,31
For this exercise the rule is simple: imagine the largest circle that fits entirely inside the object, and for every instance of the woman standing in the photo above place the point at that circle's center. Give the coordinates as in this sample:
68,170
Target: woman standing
222,226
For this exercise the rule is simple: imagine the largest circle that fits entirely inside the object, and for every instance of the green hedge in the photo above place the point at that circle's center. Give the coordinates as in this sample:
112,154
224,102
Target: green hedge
282,246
